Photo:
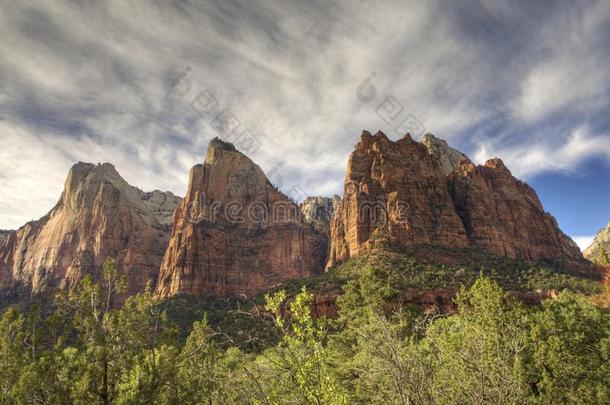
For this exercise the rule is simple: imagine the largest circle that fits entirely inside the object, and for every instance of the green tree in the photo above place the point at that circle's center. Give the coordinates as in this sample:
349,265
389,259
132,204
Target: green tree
121,354
570,340
387,364
99,355
201,375
298,369
479,354
13,352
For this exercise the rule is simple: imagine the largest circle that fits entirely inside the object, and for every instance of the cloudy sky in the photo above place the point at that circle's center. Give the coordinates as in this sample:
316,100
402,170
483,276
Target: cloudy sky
145,85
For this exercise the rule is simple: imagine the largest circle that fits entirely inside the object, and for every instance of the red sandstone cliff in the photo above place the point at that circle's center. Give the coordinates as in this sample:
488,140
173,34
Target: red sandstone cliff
234,233
98,215
409,194
505,217
395,191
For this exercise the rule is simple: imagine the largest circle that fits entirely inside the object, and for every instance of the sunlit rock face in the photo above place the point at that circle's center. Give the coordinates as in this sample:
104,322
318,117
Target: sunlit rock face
448,157
504,215
320,210
396,192
408,193
235,234
600,244
98,215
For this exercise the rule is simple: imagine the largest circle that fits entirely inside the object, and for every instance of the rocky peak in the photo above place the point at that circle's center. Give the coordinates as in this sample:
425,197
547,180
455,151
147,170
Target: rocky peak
448,158
228,176
394,191
600,244
217,143
99,215
234,233
320,210
409,193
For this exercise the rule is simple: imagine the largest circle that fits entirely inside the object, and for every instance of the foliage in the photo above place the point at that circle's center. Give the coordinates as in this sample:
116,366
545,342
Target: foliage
299,368
97,347
604,259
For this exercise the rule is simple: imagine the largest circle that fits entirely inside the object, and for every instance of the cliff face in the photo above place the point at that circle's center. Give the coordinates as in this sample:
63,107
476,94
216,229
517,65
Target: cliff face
430,194
504,215
98,215
234,233
3,235
600,244
319,211
395,191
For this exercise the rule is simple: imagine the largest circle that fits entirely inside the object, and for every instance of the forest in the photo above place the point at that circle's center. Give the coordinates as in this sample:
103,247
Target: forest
493,349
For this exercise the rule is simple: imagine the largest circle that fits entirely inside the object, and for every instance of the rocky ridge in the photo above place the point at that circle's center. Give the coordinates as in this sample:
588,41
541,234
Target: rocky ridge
99,215
409,194
234,233
600,244
448,158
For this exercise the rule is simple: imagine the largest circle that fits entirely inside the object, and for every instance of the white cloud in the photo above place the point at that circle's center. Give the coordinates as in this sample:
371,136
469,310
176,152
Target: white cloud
583,242
96,89
543,155
567,53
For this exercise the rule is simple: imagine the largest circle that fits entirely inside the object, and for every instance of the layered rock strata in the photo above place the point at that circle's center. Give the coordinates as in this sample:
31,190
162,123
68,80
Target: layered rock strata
98,215
408,193
234,233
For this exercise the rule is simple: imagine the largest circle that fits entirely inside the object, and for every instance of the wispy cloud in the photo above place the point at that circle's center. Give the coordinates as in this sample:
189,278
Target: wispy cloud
523,80
547,154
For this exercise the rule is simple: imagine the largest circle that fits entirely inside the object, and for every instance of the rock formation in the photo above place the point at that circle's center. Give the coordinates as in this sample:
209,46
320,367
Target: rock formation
395,191
447,157
98,215
319,211
234,233
3,235
505,217
410,194
600,244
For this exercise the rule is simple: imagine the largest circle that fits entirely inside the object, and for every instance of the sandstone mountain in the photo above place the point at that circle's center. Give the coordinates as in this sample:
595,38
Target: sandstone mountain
600,244
234,233
409,194
448,157
319,211
3,235
98,215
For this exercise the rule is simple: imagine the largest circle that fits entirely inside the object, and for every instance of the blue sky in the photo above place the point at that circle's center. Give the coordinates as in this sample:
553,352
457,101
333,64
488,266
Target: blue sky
145,85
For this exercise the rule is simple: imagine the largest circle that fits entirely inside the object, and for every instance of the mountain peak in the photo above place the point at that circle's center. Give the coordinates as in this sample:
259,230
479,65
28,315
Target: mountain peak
218,143
234,233
448,157
432,194
601,242
99,215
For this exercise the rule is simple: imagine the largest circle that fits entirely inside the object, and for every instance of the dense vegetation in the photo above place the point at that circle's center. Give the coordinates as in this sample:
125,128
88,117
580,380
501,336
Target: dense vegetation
493,349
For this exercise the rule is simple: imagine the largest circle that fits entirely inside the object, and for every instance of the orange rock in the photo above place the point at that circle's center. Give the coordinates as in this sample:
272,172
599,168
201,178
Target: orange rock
98,215
396,192
505,216
407,193
235,233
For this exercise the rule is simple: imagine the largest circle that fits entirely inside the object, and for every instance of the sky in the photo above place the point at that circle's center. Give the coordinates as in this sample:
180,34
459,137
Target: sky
146,84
